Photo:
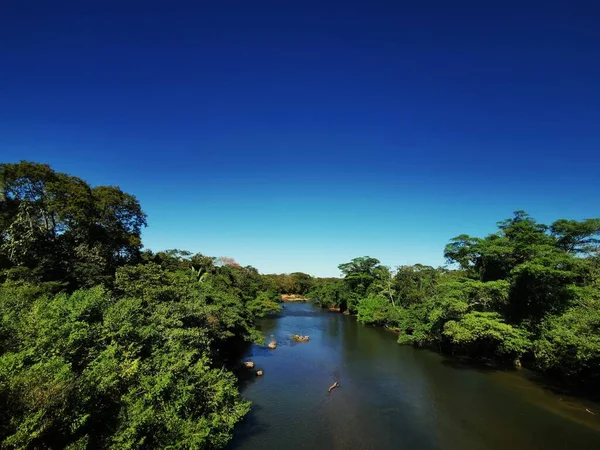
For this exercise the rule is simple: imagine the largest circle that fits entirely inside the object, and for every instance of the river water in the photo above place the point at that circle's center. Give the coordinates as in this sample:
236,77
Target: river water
393,396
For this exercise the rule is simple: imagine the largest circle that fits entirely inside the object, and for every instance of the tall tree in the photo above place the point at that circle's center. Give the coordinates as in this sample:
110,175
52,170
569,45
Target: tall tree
359,273
58,227
578,237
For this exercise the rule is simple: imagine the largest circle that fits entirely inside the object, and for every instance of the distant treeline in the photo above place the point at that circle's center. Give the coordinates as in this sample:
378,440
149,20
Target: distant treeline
293,283
103,345
527,292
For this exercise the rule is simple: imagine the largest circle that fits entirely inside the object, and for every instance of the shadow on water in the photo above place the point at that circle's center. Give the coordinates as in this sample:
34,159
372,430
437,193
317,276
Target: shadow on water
559,388
245,378
563,389
466,363
260,350
250,426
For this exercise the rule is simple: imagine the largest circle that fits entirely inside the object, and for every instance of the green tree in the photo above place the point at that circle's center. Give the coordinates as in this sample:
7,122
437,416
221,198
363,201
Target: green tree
569,344
486,333
140,358
60,228
264,305
373,309
331,292
415,284
301,283
581,238
359,274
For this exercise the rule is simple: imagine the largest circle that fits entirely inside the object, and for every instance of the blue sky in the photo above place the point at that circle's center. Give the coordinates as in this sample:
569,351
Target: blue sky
294,136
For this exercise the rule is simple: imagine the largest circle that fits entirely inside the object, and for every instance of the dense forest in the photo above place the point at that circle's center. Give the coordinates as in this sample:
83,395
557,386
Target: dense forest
529,292
106,345
103,345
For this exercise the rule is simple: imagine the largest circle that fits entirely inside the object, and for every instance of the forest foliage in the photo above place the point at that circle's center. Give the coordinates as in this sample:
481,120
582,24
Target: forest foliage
527,292
102,344
106,345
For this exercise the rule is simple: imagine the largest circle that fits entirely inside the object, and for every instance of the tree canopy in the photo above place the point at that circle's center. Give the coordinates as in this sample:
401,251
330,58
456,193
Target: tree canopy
56,227
106,345
528,291
103,345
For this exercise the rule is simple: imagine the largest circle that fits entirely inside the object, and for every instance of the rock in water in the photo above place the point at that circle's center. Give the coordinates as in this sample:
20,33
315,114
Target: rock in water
517,363
259,373
249,364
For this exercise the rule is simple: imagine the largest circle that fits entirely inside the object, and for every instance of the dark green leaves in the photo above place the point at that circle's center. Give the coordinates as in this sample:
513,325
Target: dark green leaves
64,230
137,358
527,289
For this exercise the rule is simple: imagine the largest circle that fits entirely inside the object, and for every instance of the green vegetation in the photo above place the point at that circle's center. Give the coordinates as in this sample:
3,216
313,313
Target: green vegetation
294,283
529,291
103,345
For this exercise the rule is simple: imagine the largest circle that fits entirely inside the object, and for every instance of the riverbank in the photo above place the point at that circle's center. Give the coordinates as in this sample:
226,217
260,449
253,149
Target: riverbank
560,386
394,395
294,298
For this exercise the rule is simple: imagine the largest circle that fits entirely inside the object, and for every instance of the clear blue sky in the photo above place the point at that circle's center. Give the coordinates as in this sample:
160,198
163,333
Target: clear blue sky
294,138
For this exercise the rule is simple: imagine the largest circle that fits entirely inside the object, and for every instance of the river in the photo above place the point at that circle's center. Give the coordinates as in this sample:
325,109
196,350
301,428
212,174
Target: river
393,396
